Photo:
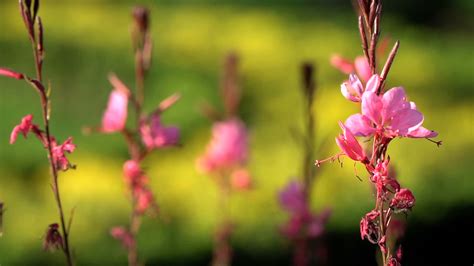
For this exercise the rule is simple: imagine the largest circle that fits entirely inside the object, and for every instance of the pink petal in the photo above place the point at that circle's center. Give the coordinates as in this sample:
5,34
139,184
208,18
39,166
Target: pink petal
405,121
359,125
394,100
352,142
10,73
422,132
373,83
363,68
115,115
372,107
345,148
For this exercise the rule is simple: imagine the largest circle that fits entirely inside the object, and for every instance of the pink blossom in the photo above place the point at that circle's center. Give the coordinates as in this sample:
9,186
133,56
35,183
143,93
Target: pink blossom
228,147
123,235
360,66
134,175
52,239
59,154
115,115
240,179
24,128
10,73
292,197
402,201
155,135
390,115
353,88
369,228
349,145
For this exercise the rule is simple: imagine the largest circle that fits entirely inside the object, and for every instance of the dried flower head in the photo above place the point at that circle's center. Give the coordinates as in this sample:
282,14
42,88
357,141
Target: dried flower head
53,239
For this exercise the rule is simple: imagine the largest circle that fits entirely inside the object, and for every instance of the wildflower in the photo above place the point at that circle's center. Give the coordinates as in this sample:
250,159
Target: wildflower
24,128
353,89
350,146
402,201
144,199
228,147
10,73
390,115
292,197
133,174
369,227
360,66
123,235
53,239
155,135
115,115
240,179
59,154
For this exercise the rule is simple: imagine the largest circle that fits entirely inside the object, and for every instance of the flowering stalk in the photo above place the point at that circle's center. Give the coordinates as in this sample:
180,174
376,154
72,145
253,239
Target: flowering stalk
304,225
384,116
226,158
147,134
56,153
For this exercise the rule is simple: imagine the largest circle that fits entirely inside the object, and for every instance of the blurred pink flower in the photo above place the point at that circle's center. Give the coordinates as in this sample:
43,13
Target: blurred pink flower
228,146
115,115
59,154
134,175
240,179
144,199
402,201
10,73
52,239
349,145
292,197
353,89
155,135
24,128
360,66
123,235
390,115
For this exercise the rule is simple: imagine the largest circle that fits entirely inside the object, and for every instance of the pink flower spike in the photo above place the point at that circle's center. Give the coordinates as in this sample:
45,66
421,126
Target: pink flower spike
362,68
115,115
10,73
349,145
155,135
344,65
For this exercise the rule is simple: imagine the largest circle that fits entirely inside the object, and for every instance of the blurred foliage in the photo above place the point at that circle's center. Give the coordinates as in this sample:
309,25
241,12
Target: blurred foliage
88,39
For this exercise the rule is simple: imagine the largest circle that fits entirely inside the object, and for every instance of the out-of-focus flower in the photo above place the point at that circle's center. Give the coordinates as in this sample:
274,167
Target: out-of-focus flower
390,115
240,179
59,154
155,135
353,88
123,235
115,115
134,176
144,199
360,66
10,73
228,147
350,146
52,239
369,227
292,197
402,201
24,128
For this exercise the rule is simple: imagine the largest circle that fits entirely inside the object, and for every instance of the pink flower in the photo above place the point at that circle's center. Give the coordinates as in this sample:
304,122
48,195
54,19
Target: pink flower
292,197
155,135
59,154
123,235
228,147
240,179
24,128
52,239
360,66
115,115
10,73
390,115
353,88
350,146
402,201
369,227
134,175
383,181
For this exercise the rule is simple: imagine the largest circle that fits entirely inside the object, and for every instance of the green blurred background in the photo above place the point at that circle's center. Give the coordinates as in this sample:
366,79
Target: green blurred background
85,40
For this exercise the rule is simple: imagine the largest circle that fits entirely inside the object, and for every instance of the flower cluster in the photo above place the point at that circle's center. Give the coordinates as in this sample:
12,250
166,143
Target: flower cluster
383,116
